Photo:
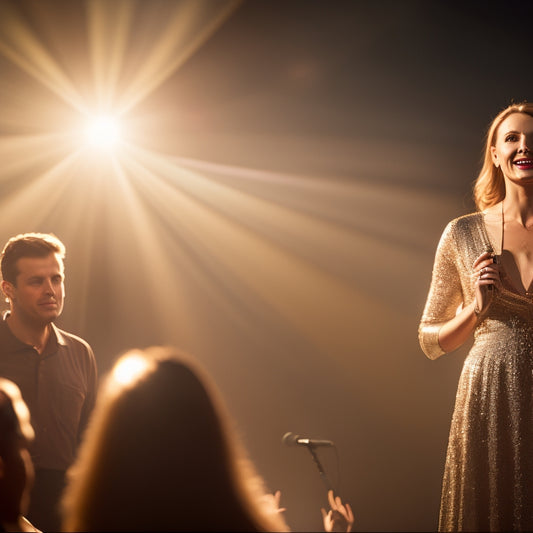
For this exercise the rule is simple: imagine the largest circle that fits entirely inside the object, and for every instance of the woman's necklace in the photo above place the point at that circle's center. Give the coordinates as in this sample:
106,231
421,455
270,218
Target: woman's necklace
503,226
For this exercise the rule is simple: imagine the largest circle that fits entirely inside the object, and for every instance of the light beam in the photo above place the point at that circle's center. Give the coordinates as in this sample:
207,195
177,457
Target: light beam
103,132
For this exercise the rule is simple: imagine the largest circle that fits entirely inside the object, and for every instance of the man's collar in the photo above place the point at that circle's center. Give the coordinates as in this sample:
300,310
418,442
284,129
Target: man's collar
59,335
55,332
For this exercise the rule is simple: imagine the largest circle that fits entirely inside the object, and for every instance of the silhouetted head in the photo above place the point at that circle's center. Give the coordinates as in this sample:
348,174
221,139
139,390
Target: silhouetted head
16,469
160,455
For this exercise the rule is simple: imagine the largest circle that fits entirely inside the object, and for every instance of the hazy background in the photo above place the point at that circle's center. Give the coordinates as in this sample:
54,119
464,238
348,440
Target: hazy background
287,170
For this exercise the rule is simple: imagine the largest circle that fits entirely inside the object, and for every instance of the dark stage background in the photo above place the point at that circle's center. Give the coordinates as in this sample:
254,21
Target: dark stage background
287,169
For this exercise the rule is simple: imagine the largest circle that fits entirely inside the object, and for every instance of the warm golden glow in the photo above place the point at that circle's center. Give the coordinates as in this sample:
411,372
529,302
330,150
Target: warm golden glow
108,81
271,204
103,131
129,368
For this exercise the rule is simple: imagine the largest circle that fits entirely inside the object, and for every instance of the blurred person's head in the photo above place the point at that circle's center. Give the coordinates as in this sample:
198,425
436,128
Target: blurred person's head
16,469
160,454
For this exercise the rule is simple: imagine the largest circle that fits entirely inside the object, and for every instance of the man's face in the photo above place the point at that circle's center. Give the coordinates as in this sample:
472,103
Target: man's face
37,298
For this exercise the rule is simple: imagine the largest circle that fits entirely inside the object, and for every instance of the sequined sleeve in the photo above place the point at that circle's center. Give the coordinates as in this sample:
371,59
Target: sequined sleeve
445,294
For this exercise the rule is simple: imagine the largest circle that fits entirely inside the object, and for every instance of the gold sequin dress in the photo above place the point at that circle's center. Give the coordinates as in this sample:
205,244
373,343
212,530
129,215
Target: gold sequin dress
488,477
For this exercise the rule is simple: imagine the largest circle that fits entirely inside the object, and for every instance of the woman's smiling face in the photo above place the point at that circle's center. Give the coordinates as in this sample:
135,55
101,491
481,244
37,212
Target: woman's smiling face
513,145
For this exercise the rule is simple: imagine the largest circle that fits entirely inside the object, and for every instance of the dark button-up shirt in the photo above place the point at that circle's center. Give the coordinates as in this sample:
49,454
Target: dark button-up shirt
59,387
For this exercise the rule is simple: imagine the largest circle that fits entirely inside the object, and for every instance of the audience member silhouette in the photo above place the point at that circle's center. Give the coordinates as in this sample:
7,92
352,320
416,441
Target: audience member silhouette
16,469
160,454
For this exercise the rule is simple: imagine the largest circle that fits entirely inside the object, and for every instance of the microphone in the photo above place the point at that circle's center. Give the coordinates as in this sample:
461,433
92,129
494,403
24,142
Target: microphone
290,439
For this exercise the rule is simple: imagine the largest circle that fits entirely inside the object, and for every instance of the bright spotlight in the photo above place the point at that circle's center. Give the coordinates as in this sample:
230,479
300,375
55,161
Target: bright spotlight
103,132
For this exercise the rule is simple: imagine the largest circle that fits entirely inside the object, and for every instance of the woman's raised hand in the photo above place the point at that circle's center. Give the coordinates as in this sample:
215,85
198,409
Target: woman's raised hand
486,276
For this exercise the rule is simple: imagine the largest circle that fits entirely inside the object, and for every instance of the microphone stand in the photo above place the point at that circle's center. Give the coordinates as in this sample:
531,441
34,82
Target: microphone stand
325,479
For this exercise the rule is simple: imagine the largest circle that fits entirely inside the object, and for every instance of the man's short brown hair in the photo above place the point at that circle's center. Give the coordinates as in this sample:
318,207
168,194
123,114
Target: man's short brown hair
28,245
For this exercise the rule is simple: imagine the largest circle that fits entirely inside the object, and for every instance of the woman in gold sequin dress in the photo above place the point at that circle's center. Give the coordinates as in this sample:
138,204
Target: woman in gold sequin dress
483,284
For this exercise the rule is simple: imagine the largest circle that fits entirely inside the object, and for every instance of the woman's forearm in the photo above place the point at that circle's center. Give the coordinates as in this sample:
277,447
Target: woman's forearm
457,330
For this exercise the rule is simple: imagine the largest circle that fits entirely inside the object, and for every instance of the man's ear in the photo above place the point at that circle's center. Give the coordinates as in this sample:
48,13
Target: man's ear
7,289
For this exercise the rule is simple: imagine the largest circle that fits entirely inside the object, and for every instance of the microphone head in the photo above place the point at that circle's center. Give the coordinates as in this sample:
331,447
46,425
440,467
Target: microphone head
290,439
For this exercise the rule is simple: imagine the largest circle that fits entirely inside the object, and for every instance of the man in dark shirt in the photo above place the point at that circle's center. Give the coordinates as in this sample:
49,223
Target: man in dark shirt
55,371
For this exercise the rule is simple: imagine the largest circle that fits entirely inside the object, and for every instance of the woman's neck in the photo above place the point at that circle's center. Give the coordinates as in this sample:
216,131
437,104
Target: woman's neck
518,205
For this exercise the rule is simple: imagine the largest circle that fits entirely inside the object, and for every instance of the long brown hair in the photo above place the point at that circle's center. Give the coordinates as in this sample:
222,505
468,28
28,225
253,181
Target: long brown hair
160,455
489,187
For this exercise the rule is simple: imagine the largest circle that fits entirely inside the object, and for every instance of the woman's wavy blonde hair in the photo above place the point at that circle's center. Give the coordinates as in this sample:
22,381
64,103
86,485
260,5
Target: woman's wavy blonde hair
489,187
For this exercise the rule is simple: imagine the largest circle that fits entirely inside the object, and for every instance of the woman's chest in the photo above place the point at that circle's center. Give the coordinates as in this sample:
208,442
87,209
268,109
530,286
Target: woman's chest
515,255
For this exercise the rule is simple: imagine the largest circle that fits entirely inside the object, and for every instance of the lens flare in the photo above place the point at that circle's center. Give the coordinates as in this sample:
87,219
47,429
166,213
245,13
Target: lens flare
103,131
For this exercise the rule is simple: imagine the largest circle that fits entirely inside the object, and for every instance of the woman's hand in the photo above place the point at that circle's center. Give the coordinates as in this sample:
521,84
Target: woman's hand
339,517
486,277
